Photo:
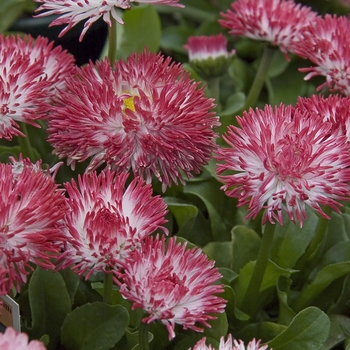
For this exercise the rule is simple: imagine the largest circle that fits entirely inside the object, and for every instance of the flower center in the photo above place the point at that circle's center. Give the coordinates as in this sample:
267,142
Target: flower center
129,103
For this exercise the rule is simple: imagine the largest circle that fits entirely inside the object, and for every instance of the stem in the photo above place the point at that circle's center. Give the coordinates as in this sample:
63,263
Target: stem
250,301
112,41
214,87
260,76
143,336
108,288
25,144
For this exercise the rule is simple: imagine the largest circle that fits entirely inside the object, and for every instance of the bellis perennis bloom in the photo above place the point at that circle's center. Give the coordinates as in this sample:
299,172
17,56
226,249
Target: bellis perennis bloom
12,340
74,11
29,72
30,209
145,115
275,21
173,285
208,54
326,43
105,220
284,160
229,345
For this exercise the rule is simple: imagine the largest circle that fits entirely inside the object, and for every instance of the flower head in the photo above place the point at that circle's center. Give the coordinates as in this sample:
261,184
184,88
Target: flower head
173,285
334,109
208,54
145,115
104,221
29,72
13,340
229,345
325,43
74,11
30,209
275,21
282,160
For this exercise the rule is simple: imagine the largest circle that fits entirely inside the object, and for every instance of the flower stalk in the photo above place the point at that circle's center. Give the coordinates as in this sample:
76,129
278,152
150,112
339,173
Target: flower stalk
108,288
112,41
250,301
143,336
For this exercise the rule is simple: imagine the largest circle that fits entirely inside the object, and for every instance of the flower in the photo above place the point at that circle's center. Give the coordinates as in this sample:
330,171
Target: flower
334,109
228,345
326,44
275,21
104,221
173,286
73,11
208,54
30,209
12,340
146,115
283,160
29,72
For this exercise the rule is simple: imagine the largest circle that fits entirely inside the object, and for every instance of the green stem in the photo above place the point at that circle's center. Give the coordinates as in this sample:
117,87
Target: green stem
250,301
112,41
214,87
25,144
143,336
108,288
260,76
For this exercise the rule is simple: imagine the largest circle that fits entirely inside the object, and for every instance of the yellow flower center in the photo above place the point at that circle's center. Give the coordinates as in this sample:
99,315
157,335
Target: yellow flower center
129,103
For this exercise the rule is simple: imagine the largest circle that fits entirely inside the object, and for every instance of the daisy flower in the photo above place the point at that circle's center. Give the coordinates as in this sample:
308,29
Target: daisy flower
275,21
29,72
229,345
173,285
13,340
146,115
208,55
74,11
104,220
281,160
30,210
325,43
334,109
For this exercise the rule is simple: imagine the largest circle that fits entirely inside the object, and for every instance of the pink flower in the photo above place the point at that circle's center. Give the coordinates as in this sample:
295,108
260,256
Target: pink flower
228,345
104,221
13,340
275,21
145,115
173,285
280,160
208,55
29,72
334,109
326,44
30,209
75,11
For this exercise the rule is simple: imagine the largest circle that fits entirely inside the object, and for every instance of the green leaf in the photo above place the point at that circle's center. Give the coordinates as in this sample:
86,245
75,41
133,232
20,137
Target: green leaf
233,104
245,246
308,330
219,326
221,252
271,276
72,281
141,29
181,211
49,303
323,279
286,314
339,331
96,326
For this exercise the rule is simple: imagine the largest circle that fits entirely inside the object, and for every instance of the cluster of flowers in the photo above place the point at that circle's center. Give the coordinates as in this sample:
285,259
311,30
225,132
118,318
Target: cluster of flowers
146,116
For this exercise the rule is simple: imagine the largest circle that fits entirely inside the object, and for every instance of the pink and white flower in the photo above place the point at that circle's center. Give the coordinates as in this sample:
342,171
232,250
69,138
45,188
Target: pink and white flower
146,115
334,109
325,43
74,11
275,21
229,345
31,207
281,160
105,221
173,285
13,340
29,72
